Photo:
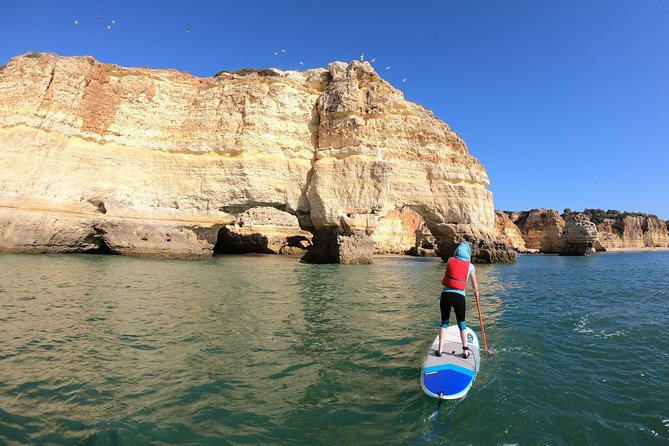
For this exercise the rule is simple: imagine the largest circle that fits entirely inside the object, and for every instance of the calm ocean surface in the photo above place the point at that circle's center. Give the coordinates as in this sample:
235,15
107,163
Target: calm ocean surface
103,350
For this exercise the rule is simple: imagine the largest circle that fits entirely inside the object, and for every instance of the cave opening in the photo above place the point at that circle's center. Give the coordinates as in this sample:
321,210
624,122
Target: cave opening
229,242
101,248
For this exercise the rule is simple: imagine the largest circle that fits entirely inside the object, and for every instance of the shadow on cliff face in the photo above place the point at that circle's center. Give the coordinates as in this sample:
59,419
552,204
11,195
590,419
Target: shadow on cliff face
97,243
229,242
102,248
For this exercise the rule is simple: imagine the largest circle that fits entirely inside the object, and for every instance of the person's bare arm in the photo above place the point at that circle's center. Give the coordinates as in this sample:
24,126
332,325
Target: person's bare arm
475,284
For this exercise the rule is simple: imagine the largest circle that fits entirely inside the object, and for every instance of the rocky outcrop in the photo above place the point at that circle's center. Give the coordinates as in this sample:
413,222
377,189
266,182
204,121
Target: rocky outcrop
541,229
508,232
549,232
486,248
38,231
579,236
397,155
631,232
655,232
546,231
97,157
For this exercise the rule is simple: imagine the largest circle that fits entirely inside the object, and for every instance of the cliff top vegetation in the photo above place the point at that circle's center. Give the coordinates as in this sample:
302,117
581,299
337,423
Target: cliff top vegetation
599,215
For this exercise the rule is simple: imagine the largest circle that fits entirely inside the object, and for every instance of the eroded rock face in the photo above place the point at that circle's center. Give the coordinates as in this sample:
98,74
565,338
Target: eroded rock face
397,154
399,231
31,231
580,235
162,163
546,231
655,232
632,232
485,248
541,229
264,230
509,232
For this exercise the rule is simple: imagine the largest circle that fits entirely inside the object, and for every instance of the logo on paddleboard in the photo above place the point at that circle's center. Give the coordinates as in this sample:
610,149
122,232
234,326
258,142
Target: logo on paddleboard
470,338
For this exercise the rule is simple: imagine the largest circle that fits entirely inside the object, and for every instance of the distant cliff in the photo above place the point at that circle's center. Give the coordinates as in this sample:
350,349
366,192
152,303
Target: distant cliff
625,230
576,233
331,163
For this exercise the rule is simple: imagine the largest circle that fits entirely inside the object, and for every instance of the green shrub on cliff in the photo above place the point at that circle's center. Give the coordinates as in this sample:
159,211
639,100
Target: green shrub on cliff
598,215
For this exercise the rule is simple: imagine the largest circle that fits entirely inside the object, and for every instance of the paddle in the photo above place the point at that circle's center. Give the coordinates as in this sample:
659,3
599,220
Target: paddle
485,342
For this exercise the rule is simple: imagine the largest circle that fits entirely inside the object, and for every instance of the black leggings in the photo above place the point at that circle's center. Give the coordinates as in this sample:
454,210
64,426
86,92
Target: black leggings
457,301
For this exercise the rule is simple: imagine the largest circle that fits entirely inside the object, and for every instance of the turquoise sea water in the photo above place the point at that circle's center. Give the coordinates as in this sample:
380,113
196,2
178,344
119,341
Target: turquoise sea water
103,350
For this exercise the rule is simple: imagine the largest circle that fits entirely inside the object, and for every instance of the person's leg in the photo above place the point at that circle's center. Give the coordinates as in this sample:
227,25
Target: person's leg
445,308
459,305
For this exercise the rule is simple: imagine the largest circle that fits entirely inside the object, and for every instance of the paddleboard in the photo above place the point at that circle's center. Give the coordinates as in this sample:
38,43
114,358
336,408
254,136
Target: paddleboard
450,376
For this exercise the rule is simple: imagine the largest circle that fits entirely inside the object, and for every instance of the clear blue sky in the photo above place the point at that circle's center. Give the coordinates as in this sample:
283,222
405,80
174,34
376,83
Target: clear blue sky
565,102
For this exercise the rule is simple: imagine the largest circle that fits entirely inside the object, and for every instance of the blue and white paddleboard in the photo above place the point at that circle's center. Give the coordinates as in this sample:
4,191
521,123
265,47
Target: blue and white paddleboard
451,376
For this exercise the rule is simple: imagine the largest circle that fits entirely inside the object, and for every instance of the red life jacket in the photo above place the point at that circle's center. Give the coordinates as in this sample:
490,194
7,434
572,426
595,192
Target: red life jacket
456,274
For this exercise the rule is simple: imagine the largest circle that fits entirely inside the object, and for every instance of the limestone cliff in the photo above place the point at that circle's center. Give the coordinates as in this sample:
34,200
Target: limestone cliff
509,231
398,232
101,158
547,231
630,232
541,229
575,233
580,235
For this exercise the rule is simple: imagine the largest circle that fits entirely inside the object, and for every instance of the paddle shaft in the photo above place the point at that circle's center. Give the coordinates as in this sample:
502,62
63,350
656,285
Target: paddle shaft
478,306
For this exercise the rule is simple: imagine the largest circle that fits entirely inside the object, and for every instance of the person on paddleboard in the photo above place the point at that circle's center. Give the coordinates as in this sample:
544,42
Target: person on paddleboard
459,268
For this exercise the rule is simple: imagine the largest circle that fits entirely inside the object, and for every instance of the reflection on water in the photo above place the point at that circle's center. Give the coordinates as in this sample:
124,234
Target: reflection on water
239,349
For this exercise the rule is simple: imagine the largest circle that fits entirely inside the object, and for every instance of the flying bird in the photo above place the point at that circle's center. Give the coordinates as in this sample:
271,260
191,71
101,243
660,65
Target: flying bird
108,26
113,22
388,67
187,29
373,60
276,53
404,80
362,57
301,63
76,22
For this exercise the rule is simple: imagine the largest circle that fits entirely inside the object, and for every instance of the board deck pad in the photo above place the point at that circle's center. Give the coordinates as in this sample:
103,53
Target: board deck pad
450,376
